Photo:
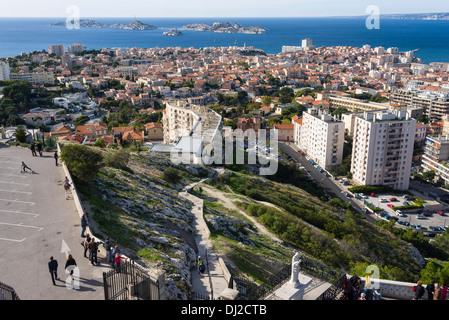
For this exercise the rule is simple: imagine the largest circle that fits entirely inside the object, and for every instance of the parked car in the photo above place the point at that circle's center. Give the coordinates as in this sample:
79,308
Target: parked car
399,213
440,213
405,203
418,226
390,205
431,234
420,216
393,199
383,200
412,225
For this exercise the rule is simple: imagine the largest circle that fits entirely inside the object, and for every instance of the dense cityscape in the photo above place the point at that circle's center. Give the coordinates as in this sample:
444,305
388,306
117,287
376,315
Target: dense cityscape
361,151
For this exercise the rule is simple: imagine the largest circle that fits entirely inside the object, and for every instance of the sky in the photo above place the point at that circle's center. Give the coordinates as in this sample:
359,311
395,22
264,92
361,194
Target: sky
213,8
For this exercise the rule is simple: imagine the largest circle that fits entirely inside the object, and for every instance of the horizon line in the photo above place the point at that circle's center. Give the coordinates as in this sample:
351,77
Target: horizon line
215,17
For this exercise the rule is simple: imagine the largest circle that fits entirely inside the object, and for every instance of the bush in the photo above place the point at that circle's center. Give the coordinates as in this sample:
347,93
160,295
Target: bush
171,175
116,159
82,162
21,135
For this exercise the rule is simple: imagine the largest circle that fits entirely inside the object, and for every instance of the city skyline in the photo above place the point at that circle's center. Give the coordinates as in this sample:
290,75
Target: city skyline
202,8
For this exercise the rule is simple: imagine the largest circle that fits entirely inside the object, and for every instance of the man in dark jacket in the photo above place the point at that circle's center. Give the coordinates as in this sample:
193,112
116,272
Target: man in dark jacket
83,225
53,268
430,290
93,249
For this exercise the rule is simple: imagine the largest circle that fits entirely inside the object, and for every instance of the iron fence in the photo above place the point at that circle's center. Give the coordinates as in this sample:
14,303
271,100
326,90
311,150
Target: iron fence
129,281
251,291
7,292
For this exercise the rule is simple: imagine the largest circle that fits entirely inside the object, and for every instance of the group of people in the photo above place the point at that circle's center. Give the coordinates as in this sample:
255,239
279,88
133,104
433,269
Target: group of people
433,289
53,268
36,147
355,290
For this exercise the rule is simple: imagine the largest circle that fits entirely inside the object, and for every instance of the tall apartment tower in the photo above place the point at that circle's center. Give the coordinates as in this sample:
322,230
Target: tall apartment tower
322,137
76,47
57,49
383,149
307,43
4,71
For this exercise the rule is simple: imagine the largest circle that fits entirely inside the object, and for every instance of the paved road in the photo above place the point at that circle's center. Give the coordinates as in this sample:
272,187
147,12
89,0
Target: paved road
35,221
328,184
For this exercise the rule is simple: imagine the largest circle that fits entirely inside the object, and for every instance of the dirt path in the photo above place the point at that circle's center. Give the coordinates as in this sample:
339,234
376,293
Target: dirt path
229,203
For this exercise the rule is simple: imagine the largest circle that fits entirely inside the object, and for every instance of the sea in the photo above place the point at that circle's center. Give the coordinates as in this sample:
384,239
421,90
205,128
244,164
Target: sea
428,37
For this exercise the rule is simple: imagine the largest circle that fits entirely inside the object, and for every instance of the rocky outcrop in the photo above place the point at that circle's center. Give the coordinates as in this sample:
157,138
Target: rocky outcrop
134,25
225,27
172,33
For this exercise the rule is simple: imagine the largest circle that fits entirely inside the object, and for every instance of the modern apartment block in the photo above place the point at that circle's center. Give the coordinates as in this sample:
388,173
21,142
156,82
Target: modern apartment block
57,49
435,103
4,71
354,105
383,149
436,156
190,129
322,137
34,77
76,47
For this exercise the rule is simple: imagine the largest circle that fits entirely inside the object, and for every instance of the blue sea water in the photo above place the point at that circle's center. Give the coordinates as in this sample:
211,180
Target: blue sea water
36,34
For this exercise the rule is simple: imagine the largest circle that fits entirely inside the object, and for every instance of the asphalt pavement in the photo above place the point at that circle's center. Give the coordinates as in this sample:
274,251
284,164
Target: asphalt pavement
36,222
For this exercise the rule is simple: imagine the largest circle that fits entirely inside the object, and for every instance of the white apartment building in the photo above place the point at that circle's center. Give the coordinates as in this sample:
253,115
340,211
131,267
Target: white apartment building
4,71
76,47
191,129
322,137
57,49
383,149
34,77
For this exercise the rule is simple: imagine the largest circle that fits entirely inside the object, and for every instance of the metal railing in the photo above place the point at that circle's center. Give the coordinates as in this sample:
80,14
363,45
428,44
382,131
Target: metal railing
129,281
251,291
7,292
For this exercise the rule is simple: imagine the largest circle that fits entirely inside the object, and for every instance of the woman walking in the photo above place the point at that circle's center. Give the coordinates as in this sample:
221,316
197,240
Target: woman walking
70,262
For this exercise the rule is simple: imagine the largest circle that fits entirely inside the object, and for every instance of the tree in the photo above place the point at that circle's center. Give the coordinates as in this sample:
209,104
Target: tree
286,95
81,120
117,159
21,135
81,161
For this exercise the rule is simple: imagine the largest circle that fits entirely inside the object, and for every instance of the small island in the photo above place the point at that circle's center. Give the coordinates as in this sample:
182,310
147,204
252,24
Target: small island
225,27
172,33
134,25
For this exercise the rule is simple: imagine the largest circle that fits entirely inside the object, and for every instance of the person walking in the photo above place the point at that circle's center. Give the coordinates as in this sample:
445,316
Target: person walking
199,261
85,244
108,248
53,269
84,224
70,262
430,289
39,148
419,291
33,149
93,249
437,292
24,167
67,186
56,157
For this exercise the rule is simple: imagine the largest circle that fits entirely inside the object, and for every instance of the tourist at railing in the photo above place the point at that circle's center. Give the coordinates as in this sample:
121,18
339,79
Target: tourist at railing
437,292
419,291
430,289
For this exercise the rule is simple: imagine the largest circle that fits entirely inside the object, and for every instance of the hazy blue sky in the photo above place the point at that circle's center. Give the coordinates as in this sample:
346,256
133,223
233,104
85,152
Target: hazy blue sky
214,8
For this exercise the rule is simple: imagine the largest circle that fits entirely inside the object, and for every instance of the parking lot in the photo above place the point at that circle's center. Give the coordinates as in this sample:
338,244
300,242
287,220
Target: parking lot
422,219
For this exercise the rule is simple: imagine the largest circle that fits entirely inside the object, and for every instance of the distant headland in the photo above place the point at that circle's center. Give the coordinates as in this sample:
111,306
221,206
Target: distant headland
134,25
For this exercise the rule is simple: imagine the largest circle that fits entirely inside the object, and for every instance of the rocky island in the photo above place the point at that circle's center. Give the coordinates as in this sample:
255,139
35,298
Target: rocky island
225,27
172,33
134,25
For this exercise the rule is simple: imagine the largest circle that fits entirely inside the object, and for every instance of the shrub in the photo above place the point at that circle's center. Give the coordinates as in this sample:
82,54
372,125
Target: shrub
171,175
116,159
21,135
82,162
